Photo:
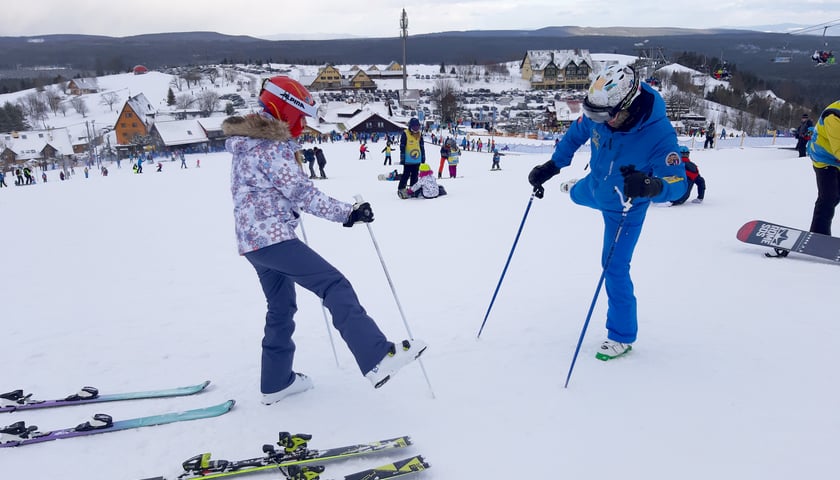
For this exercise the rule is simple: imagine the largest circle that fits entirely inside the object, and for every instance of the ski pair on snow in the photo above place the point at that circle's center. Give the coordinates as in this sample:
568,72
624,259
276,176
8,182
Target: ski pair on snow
18,400
296,461
20,434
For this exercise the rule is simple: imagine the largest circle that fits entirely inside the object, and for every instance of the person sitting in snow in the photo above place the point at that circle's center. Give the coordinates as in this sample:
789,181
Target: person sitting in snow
426,186
693,177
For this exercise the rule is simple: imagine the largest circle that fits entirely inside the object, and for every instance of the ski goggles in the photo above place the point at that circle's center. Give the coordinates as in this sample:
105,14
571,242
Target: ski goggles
288,97
603,114
599,114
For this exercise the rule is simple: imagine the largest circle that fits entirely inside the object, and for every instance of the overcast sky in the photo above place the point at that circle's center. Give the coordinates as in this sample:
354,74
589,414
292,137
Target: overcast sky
380,18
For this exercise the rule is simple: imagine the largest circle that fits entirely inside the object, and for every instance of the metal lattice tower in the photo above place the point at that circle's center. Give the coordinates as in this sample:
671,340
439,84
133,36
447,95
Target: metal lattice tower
404,35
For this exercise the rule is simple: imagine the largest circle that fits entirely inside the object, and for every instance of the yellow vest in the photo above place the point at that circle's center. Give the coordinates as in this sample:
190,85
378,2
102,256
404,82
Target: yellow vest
412,152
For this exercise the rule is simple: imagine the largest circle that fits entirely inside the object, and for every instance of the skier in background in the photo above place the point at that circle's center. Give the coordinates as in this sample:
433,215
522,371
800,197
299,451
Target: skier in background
270,190
322,161
693,176
710,137
412,154
387,151
824,149
497,157
309,158
803,134
634,153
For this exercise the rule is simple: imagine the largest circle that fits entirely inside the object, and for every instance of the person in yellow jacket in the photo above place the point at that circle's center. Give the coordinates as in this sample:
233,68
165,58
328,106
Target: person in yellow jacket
824,149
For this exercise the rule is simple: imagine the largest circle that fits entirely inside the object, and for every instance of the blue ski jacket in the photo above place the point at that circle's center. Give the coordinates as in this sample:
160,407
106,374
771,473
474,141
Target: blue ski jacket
650,144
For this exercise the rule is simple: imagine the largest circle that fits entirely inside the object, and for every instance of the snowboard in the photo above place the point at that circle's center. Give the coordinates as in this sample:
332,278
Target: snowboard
760,232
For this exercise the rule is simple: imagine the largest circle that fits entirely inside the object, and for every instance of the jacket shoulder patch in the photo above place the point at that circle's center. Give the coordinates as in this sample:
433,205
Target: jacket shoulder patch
673,159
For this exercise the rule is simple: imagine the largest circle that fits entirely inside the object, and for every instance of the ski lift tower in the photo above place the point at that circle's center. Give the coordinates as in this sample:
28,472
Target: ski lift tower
650,58
404,35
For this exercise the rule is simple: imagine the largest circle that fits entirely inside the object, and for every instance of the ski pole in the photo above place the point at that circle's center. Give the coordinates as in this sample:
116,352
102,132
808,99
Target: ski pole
323,308
359,199
627,204
504,270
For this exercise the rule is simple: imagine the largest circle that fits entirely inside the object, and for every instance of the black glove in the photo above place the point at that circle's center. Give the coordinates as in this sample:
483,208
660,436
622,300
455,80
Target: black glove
637,184
361,213
541,174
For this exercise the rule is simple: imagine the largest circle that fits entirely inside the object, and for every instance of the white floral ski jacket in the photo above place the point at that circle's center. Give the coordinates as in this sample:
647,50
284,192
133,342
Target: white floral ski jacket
268,185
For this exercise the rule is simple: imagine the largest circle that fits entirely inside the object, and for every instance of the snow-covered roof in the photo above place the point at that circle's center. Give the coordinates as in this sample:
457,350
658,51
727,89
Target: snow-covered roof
28,145
211,124
561,58
142,107
180,132
86,83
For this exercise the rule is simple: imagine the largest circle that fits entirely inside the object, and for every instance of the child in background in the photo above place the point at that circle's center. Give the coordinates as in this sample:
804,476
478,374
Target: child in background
496,157
452,159
426,186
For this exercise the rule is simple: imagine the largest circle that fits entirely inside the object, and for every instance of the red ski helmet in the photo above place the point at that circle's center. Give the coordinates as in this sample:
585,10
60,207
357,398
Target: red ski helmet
287,100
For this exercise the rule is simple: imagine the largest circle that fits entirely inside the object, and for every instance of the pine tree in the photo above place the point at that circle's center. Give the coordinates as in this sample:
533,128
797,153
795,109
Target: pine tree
170,97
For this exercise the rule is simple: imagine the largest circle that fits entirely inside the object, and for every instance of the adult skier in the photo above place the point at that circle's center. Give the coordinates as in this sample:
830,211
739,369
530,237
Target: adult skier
270,190
633,157
824,149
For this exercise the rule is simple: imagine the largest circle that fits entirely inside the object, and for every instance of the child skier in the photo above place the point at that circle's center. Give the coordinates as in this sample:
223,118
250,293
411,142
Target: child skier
496,157
453,158
426,186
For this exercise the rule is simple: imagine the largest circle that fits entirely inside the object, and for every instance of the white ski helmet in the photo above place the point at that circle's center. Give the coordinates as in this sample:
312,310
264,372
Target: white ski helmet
611,91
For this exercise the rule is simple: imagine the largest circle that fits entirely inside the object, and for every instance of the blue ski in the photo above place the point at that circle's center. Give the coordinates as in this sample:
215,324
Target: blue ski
19,434
17,400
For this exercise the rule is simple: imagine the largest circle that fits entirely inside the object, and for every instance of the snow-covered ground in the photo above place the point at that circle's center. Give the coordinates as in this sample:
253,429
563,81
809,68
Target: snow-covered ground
130,282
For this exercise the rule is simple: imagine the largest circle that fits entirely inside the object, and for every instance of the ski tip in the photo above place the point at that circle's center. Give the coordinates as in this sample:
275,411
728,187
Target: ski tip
745,231
204,384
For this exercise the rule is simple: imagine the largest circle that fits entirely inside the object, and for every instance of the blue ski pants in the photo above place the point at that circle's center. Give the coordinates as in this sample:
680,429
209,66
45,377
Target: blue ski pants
280,267
622,322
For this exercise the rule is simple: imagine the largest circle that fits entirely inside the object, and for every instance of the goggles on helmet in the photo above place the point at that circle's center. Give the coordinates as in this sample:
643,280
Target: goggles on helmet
306,108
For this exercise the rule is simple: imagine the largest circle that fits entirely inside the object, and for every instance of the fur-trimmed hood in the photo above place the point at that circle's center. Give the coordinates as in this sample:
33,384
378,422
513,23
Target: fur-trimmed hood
257,126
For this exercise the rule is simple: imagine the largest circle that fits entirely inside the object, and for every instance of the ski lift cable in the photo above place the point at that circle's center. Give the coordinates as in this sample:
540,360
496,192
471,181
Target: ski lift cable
824,26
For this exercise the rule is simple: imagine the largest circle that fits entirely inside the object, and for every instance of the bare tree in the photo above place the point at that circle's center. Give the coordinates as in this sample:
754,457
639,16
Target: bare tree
444,95
212,74
78,104
177,83
53,98
191,76
34,107
208,100
109,98
230,75
184,101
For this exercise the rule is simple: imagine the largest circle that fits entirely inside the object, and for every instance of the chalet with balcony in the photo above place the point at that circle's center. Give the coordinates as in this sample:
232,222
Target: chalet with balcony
557,69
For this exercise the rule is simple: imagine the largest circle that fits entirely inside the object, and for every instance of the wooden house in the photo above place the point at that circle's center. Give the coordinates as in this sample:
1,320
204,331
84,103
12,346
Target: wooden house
135,121
361,81
82,86
328,78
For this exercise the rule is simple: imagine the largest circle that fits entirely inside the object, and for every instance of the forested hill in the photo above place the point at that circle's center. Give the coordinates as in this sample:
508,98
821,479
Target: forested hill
749,50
